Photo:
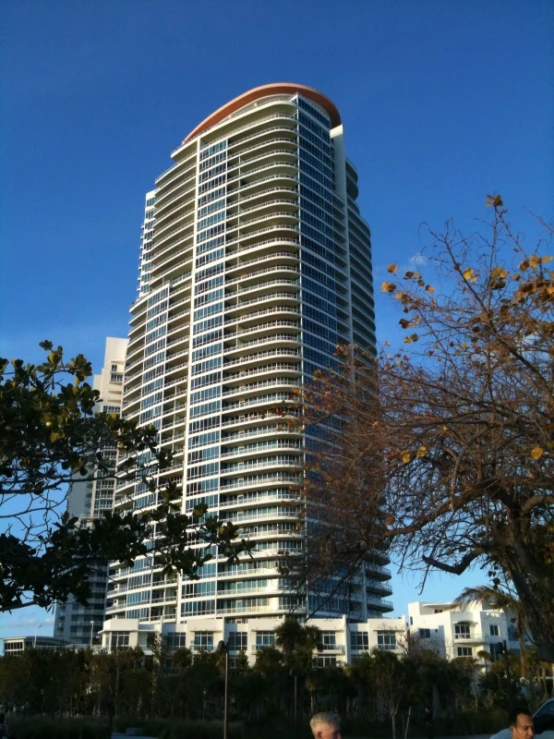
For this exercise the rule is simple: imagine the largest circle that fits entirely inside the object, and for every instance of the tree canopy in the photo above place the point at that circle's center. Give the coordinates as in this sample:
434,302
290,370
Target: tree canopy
52,437
446,447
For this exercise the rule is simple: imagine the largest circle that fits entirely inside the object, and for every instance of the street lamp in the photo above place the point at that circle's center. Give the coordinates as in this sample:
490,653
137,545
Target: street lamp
112,675
294,673
223,648
91,628
37,626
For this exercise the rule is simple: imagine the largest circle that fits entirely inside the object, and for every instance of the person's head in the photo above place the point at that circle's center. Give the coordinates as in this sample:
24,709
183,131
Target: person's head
521,724
325,726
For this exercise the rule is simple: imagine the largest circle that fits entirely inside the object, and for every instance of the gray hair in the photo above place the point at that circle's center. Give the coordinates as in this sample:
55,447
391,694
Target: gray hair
326,718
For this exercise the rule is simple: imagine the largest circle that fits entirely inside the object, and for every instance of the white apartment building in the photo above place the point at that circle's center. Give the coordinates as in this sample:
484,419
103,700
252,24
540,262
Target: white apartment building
455,632
75,623
342,640
254,264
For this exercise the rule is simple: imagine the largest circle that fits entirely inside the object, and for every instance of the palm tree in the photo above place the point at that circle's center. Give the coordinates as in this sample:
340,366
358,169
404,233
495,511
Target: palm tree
500,600
298,642
290,637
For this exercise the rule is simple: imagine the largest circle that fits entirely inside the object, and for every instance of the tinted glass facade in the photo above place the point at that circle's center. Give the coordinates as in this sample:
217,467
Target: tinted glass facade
257,264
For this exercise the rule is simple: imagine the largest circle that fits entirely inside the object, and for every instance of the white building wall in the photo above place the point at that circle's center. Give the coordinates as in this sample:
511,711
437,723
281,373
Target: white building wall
73,622
343,641
455,632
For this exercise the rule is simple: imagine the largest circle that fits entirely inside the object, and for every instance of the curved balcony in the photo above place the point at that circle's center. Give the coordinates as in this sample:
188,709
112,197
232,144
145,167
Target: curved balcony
244,500
285,219
293,298
260,357
262,447
253,419
278,145
262,329
284,153
235,144
267,287
288,461
275,260
234,382
269,192
287,340
269,400
285,171
269,530
254,315
275,430
288,382
184,200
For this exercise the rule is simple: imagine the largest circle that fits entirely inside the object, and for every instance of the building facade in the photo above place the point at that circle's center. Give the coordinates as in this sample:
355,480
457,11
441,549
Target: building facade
255,263
13,646
342,640
73,622
476,631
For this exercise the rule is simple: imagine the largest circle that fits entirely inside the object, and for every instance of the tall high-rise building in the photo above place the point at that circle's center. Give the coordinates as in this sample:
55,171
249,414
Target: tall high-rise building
255,263
74,622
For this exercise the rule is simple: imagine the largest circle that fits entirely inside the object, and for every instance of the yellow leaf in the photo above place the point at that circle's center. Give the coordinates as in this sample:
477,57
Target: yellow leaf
547,258
468,274
430,289
392,268
388,287
534,260
494,201
421,451
406,456
499,272
537,452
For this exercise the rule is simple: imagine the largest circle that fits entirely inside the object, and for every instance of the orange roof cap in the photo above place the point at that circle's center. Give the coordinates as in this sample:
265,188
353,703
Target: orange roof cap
277,88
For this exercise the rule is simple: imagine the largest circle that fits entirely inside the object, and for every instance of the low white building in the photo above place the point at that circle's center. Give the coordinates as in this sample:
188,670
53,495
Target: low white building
342,641
16,645
453,632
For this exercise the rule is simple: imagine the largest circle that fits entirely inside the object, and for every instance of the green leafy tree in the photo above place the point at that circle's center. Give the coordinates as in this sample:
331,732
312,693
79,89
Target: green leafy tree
50,438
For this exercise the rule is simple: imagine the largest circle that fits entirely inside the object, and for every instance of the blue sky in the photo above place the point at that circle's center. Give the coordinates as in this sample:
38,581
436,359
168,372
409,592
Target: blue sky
442,101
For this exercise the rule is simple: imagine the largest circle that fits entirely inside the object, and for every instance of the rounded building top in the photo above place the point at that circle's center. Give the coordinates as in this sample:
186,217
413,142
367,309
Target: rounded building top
276,88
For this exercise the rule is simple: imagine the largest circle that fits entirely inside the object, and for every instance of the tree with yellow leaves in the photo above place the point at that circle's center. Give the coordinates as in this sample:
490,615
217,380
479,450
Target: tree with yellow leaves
445,455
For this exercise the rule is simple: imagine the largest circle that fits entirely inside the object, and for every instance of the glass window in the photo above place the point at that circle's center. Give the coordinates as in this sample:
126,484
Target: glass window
238,641
325,662
494,630
265,639
386,640
204,640
359,640
425,633
464,652
119,640
462,631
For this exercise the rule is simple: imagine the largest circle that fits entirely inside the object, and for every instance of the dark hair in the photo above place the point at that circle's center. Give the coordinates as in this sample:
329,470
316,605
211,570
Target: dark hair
518,711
